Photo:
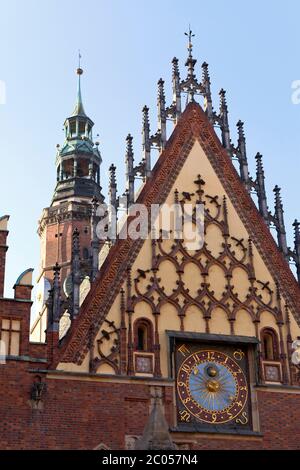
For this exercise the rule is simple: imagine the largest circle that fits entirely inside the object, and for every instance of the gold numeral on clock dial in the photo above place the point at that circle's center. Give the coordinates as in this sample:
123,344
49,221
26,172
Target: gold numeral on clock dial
186,368
184,350
182,384
196,358
210,355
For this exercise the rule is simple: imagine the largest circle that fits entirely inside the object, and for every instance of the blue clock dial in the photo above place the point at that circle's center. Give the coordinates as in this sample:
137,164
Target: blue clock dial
212,386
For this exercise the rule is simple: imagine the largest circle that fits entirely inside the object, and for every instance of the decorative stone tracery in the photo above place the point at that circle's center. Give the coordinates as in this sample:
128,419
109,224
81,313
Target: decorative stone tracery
215,284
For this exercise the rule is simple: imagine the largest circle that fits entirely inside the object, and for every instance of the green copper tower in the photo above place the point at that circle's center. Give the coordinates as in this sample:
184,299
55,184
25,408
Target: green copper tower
78,160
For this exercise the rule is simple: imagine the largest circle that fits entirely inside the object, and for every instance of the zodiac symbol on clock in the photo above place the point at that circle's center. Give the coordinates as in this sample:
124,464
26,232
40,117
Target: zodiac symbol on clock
238,354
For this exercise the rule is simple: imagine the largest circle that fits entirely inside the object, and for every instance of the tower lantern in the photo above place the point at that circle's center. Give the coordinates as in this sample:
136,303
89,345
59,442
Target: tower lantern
78,160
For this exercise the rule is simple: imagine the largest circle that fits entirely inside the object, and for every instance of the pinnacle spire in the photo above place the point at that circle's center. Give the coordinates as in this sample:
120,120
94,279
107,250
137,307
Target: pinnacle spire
224,124
129,159
242,155
79,110
261,191
112,186
176,89
208,107
161,109
146,142
296,226
279,222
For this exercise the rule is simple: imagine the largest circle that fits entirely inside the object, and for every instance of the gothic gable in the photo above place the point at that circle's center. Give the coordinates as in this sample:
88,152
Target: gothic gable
237,284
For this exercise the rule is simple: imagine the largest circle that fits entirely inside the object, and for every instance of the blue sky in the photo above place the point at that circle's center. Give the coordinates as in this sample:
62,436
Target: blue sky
126,46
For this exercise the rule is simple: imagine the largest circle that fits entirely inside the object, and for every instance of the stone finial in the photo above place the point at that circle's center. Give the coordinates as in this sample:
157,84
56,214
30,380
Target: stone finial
112,190
146,143
296,226
261,190
242,155
279,223
129,160
224,124
176,89
161,111
208,108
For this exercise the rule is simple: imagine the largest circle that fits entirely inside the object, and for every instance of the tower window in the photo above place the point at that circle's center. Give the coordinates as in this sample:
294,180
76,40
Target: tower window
269,345
81,128
85,253
73,128
143,335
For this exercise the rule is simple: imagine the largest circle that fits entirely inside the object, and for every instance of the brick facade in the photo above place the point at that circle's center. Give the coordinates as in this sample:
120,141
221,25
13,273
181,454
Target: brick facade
81,414
57,238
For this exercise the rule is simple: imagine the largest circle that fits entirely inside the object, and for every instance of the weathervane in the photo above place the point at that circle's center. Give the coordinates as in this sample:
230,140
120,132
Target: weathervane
190,44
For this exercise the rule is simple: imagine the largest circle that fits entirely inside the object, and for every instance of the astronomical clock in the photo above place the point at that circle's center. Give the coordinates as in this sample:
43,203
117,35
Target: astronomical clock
212,382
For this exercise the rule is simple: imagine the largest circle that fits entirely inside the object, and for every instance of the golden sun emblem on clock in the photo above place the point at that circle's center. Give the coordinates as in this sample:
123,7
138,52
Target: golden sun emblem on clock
212,386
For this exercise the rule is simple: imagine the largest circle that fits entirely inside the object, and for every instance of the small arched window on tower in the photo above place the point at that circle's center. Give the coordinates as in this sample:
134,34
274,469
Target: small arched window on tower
73,128
269,341
143,335
81,127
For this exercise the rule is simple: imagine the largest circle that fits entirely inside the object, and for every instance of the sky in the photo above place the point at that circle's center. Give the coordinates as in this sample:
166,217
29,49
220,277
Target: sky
253,53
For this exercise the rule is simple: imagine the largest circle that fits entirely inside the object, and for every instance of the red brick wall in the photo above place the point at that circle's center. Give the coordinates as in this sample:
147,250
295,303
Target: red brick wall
65,245
78,414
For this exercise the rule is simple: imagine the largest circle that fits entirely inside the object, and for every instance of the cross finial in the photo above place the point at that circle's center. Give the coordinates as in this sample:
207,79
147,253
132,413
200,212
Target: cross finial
190,44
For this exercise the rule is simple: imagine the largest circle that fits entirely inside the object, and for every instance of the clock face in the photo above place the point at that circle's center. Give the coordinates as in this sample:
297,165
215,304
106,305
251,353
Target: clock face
212,387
